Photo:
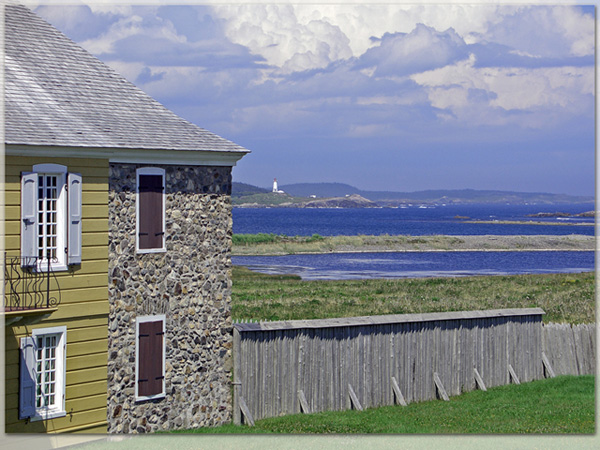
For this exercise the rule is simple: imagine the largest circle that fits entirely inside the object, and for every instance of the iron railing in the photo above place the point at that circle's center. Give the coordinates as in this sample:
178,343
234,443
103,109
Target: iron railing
29,283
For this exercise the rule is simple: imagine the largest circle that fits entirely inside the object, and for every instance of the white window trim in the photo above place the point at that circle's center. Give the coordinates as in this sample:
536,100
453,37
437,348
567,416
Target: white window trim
45,413
149,171
142,319
68,237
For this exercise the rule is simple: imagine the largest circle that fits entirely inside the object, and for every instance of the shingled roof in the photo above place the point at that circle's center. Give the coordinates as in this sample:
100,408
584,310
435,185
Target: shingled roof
57,94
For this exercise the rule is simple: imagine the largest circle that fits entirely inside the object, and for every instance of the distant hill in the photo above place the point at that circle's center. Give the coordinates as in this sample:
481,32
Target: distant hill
243,189
325,190
305,192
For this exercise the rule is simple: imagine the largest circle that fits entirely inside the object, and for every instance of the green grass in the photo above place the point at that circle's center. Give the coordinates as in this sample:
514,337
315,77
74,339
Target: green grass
566,298
563,405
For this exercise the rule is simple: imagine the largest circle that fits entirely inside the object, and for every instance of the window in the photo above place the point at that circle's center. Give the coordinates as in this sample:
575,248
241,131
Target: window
150,209
50,217
42,379
150,357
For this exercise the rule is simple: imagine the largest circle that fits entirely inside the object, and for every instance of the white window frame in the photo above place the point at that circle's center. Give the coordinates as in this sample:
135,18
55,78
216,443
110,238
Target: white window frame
142,319
149,171
68,217
29,361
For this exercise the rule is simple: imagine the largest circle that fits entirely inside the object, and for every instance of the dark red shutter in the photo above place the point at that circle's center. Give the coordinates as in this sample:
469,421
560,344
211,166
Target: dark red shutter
150,358
150,211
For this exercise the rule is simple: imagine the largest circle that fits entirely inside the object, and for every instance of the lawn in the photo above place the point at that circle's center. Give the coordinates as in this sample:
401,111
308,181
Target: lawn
562,405
566,298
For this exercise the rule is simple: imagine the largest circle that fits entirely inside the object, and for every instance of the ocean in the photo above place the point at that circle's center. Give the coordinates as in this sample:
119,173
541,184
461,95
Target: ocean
415,221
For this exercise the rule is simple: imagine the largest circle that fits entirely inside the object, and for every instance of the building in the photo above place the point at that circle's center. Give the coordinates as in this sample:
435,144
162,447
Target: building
117,238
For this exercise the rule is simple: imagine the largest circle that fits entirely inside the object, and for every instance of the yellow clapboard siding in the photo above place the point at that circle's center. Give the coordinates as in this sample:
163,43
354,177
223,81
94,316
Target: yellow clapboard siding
88,333
95,211
85,389
86,375
25,163
81,309
86,348
86,403
87,361
94,198
81,330
92,253
14,425
101,428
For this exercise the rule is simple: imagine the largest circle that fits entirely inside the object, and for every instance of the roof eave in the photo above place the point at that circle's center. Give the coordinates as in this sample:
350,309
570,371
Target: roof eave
132,155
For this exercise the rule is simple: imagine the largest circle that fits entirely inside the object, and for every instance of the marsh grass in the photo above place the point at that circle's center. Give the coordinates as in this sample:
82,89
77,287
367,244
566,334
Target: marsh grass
272,244
564,297
562,405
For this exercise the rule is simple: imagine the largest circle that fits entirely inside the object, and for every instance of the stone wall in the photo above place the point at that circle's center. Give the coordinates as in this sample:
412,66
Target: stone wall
190,283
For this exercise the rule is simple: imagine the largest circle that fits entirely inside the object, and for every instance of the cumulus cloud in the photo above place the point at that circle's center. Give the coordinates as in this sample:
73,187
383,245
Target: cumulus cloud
543,91
422,49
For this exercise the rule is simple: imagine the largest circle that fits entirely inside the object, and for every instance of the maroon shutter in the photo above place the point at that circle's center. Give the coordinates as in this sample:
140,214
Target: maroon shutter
150,358
150,211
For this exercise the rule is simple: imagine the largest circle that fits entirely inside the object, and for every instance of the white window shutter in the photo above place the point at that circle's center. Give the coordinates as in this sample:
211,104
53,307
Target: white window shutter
27,378
29,231
74,228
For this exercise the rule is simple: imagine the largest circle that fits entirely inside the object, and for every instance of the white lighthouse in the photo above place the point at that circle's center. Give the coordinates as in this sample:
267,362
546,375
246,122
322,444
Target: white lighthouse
275,189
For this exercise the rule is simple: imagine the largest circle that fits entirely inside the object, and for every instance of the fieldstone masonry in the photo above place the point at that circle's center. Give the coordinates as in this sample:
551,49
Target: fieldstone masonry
190,284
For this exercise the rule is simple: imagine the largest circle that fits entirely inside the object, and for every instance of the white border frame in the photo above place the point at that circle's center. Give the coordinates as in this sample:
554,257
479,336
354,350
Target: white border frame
46,413
150,171
142,319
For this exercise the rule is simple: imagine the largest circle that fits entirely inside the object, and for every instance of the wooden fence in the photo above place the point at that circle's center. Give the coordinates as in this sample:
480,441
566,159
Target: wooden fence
335,364
570,349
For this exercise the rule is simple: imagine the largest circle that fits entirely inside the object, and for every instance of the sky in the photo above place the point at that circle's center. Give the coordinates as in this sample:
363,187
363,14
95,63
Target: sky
397,97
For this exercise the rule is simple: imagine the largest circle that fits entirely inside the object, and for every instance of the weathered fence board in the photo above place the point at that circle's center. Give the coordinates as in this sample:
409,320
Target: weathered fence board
308,365
570,349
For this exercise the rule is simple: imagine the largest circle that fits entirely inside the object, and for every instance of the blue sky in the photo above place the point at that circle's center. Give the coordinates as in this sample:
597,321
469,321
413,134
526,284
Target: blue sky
384,97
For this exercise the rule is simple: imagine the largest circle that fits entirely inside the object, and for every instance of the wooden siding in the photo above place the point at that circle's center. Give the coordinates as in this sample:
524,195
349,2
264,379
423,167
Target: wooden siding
341,363
83,308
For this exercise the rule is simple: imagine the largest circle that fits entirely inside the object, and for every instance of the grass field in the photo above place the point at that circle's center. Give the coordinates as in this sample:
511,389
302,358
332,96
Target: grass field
567,298
562,405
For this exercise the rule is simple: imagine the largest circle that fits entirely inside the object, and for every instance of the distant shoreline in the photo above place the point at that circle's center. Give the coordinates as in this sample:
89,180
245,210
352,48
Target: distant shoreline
285,245
527,222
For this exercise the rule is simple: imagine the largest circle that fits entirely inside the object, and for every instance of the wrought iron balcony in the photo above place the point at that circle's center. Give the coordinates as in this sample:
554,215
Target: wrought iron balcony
29,284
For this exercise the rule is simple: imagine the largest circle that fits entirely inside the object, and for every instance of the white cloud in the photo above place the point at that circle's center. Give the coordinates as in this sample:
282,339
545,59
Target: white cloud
545,91
422,49
141,23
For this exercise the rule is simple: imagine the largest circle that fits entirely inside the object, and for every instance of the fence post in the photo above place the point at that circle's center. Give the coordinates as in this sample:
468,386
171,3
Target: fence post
479,380
237,384
440,387
547,366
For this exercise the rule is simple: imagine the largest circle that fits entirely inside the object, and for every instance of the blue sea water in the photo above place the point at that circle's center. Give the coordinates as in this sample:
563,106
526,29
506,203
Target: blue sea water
414,221
346,266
